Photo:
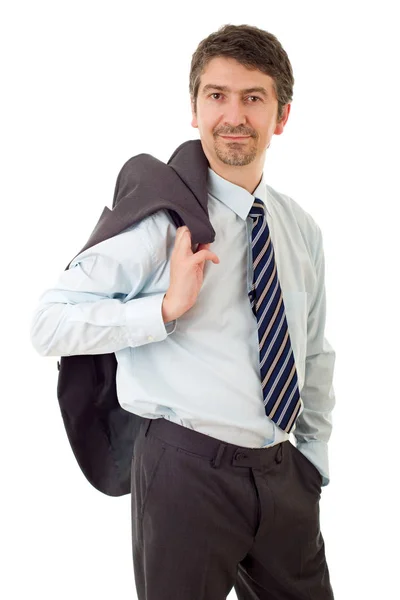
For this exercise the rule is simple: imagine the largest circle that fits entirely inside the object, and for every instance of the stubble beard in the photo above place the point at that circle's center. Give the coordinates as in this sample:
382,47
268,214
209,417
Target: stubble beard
236,154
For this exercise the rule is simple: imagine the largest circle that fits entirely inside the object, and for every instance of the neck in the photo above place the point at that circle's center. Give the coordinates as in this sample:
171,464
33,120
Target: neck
247,176
249,180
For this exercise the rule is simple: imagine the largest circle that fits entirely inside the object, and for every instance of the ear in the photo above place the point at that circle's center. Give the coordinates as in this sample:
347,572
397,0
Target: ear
281,125
194,117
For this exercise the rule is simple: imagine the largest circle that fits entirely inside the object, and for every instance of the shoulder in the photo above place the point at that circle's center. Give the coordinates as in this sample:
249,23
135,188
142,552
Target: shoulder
293,212
143,242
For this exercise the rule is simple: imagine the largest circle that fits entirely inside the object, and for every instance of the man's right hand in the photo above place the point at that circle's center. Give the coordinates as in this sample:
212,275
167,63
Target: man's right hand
186,275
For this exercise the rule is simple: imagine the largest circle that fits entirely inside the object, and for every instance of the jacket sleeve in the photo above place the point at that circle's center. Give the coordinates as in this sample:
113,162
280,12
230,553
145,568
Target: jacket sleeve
314,424
95,307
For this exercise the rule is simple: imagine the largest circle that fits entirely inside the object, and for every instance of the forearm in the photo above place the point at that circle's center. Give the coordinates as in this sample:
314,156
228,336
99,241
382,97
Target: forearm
98,327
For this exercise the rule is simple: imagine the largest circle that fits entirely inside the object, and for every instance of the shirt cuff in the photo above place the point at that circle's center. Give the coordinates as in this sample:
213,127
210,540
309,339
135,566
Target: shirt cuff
317,453
144,321
170,326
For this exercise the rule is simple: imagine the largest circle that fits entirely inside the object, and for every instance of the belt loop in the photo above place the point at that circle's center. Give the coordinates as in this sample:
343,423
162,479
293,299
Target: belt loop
147,427
278,455
216,461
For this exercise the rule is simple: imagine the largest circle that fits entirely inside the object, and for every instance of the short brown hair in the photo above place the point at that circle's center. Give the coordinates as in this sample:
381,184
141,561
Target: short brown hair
253,48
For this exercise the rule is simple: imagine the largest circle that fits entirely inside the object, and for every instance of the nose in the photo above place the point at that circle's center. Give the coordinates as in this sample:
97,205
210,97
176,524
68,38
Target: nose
234,113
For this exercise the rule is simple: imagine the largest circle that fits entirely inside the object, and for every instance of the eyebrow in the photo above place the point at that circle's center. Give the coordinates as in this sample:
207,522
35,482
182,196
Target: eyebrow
225,88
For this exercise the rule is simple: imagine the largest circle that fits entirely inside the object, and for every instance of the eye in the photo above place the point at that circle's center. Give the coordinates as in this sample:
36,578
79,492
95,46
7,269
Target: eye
218,94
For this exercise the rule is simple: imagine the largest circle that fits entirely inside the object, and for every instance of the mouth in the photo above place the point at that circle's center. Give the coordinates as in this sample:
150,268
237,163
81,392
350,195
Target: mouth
235,138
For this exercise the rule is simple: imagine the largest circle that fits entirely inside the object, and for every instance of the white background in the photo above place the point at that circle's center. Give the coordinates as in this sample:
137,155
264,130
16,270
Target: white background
87,85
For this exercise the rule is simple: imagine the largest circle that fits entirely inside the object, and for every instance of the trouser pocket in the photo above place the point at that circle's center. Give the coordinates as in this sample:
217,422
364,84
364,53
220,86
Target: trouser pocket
146,461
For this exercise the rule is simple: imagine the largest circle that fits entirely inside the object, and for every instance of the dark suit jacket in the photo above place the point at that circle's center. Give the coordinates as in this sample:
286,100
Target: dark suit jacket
100,431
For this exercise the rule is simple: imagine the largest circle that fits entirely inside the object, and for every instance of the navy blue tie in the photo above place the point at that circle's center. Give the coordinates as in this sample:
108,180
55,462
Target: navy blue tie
277,367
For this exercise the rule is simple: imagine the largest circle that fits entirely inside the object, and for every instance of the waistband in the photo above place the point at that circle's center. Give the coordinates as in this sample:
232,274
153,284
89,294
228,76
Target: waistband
216,451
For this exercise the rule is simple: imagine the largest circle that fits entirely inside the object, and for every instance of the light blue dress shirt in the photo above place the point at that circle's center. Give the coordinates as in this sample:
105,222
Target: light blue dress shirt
202,370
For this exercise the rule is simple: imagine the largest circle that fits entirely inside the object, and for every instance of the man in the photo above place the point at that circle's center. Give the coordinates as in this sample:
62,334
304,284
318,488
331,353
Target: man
221,498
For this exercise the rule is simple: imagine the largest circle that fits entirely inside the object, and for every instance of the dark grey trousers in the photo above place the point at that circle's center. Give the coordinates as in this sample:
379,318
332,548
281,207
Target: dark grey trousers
208,516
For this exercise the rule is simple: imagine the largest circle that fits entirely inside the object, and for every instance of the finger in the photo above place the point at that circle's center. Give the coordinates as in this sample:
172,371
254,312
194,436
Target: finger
186,237
184,233
203,255
184,243
180,236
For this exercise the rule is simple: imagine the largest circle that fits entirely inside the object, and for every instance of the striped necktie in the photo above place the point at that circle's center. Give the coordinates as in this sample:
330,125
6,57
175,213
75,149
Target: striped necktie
278,371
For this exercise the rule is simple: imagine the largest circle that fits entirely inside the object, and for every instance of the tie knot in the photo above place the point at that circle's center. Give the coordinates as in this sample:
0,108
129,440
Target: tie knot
257,209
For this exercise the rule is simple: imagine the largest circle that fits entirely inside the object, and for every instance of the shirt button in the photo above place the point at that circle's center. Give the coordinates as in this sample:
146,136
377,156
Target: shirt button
150,338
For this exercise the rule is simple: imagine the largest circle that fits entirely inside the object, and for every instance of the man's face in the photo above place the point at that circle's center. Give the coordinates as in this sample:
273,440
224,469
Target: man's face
231,111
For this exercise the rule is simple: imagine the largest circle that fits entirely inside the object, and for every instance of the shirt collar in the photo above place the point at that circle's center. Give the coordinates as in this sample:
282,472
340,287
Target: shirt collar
234,196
